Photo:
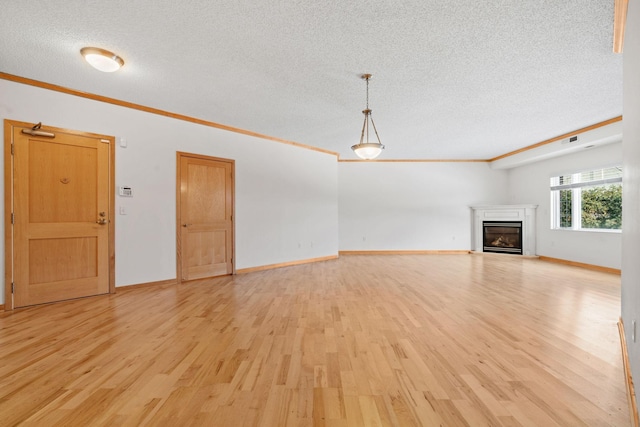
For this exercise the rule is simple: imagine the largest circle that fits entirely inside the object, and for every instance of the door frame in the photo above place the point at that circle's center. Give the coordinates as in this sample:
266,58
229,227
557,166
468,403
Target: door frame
232,163
9,126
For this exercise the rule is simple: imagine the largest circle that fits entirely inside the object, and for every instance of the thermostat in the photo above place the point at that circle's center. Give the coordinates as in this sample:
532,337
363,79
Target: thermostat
126,192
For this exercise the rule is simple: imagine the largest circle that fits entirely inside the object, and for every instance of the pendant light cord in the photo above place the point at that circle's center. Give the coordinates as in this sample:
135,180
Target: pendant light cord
370,116
367,79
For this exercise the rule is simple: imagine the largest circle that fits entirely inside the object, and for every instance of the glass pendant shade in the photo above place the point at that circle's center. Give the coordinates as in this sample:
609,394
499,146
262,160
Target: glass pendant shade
368,150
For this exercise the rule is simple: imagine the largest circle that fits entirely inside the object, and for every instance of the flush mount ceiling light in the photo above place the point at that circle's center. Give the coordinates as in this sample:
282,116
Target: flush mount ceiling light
368,150
101,59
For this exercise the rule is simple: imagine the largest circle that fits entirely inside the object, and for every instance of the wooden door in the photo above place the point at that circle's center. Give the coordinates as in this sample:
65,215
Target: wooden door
205,216
62,206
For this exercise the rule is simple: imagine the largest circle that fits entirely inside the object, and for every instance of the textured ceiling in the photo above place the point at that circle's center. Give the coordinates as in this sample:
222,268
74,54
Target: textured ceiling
461,79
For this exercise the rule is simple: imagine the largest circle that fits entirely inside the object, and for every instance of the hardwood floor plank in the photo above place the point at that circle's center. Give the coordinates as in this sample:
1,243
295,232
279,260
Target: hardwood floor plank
397,340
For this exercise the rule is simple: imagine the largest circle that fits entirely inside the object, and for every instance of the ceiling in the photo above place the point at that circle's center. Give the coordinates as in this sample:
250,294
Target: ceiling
460,79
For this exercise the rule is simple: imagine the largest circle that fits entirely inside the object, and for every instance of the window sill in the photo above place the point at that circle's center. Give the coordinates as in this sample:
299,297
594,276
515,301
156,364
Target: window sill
590,230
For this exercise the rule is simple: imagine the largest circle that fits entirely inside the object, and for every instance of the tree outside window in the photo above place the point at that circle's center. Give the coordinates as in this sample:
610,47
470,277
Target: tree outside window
602,207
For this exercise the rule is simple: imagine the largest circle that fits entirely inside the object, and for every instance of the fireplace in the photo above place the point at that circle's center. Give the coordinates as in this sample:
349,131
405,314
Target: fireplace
522,216
502,237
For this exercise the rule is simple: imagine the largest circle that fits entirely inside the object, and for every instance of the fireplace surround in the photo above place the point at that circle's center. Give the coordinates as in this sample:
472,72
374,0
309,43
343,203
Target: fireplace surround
511,229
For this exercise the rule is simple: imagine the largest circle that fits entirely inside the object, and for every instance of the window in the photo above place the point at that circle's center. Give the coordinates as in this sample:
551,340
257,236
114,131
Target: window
589,200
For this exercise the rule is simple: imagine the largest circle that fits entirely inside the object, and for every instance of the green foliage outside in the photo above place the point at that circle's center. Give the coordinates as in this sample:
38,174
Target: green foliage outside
566,208
602,207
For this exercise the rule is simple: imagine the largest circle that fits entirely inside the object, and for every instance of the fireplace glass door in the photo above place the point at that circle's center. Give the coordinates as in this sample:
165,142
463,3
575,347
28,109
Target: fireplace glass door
502,236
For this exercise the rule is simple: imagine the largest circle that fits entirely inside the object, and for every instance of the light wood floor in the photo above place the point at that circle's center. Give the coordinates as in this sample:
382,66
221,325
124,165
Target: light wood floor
433,340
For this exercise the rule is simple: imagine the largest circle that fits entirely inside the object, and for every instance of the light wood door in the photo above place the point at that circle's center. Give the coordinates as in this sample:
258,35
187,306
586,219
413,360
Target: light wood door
205,216
61,215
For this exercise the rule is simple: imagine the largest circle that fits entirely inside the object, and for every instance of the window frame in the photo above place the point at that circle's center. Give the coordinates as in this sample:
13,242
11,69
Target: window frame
576,187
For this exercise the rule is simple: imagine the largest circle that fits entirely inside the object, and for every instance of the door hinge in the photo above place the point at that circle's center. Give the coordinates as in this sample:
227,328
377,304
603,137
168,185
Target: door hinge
12,148
13,218
13,287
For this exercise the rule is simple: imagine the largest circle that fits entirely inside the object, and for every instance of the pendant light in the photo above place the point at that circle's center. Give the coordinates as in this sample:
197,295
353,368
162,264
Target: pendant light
365,149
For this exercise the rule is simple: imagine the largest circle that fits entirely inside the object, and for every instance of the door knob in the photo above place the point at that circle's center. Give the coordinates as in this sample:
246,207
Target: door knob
102,221
186,225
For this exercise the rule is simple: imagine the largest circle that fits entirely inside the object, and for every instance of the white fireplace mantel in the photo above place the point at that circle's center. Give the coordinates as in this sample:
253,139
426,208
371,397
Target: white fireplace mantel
524,213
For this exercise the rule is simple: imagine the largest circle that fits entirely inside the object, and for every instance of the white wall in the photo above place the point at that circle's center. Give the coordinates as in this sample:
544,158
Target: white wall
286,196
413,206
631,188
530,184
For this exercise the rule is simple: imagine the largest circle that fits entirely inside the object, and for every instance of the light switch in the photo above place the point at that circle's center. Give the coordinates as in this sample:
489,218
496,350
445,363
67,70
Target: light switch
123,210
